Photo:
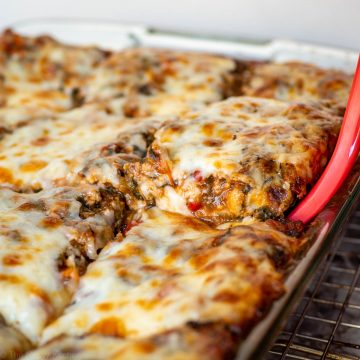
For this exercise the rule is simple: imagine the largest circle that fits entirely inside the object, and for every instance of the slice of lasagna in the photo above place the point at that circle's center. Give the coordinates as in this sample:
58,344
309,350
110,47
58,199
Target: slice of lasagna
46,241
191,342
40,76
291,81
240,157
172,270
41,73
53,151
190,76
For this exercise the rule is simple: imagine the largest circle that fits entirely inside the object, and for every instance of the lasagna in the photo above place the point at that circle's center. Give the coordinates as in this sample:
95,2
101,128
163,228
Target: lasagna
237,158
144,194
47,240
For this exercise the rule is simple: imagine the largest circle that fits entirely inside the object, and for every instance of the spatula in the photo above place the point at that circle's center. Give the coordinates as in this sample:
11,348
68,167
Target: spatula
345,153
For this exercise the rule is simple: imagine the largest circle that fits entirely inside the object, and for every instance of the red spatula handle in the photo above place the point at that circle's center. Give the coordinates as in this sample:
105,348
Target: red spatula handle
345,153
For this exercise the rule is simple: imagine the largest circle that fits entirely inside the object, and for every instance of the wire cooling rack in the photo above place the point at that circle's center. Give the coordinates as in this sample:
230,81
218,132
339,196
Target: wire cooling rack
326,322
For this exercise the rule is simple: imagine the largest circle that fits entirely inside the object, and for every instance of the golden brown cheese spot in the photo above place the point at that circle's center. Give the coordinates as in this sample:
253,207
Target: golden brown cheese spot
29,206
224,134
110,326
70,276
3,157
49,95
33,165
12,260
170,132
200,260
145,347
208,129
10,90
6,175
155,283
105,306
213,143
41,141
173,255
227,297
195,86
51,222
147,304
10,278
131,250
238,105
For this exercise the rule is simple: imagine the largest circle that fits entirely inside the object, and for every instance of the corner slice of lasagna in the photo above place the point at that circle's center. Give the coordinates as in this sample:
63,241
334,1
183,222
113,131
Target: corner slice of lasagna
46,241
40,73
171,270
296,81
241,157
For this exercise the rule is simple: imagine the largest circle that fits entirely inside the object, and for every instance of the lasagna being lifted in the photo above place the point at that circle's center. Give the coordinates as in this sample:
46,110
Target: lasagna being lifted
237,158
144,196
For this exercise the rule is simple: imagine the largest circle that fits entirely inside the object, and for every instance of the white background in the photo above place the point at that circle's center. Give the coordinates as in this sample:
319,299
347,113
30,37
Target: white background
331,22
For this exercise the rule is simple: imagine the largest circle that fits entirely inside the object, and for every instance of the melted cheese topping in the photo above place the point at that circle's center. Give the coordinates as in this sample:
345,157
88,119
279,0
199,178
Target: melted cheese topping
174,284
40,77
171,270
49,151
219,140
35,232
192,76
238,156
297,81
42,72
178,344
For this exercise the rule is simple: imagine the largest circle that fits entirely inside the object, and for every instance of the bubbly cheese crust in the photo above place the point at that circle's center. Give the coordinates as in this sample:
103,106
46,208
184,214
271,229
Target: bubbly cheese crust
46,240
240,157
192,342
42,73
171,270
53,151
41,77
295,81
195,77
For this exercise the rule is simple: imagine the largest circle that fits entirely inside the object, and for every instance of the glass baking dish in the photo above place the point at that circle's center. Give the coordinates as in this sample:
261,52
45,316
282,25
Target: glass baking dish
325,228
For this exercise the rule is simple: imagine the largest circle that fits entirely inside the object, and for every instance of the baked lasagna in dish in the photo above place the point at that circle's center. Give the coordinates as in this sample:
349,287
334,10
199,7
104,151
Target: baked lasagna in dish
144,194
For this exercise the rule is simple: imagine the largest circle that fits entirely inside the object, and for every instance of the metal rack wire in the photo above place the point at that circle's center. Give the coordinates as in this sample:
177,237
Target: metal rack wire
326,322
